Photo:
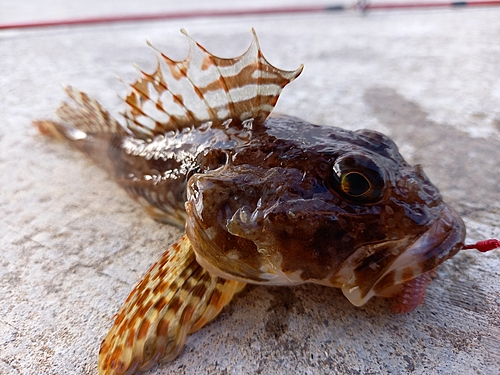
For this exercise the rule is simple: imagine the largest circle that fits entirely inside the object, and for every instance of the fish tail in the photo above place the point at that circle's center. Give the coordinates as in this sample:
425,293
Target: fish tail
51,129
175,297
86,126
83,116
62,132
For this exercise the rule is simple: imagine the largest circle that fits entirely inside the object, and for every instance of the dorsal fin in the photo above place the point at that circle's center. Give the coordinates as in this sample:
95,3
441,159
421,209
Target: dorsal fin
87,115
205,88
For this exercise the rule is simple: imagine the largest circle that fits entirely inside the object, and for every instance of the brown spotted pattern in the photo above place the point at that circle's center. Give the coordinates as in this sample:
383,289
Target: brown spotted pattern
175,297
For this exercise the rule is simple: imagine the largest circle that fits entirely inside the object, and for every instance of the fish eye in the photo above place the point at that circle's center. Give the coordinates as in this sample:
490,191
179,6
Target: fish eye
357,178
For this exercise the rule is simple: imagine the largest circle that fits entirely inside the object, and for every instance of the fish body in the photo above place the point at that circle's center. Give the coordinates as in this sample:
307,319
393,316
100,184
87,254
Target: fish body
265,199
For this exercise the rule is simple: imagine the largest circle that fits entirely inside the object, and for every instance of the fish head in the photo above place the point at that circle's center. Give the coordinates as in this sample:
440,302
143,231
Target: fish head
306,203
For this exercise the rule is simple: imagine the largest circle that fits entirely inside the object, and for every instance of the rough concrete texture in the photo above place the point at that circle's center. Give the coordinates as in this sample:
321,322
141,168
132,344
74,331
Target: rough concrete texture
73,244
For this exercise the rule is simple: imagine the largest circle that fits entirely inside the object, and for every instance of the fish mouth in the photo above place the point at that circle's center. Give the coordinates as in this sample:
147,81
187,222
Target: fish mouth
440,242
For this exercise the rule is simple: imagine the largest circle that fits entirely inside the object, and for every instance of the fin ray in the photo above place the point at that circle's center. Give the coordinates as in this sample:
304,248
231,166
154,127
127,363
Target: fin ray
205,88
175,297
87,115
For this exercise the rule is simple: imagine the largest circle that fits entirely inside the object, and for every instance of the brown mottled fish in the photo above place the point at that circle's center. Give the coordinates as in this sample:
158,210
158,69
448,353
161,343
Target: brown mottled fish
270,200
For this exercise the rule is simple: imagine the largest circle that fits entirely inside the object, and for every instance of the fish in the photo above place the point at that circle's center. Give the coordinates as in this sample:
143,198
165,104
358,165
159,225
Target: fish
264,198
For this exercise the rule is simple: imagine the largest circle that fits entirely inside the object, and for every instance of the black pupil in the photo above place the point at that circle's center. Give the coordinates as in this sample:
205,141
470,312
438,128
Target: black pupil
358,179
355,184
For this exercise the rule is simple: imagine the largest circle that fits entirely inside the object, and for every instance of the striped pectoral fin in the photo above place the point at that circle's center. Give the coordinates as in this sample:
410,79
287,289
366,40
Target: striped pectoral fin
175,297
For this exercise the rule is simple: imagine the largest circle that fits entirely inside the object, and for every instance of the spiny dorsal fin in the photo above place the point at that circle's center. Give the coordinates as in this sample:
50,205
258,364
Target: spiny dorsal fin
87,115
174,298
205,88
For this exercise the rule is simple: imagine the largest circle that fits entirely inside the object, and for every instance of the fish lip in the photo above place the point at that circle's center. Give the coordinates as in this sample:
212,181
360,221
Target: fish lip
440,242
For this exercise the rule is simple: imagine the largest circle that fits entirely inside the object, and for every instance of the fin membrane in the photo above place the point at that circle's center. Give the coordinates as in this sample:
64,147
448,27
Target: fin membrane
201,89
205,88
87,114
84,115
175,297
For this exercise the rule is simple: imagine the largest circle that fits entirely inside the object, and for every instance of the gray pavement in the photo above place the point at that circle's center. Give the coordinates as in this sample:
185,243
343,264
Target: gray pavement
73,244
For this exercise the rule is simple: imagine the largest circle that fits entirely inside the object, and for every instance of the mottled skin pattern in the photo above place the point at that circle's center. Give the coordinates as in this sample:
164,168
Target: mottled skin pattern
266,200
273,214
175,298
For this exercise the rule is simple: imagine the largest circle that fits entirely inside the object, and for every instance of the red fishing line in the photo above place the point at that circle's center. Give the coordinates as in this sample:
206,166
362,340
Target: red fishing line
361,6
484,245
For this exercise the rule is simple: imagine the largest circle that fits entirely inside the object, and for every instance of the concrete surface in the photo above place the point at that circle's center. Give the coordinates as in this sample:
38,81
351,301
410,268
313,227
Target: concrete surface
73,245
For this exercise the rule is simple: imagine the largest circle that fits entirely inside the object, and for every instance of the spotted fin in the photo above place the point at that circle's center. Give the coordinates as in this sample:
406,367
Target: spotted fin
84,115
175,297
205,88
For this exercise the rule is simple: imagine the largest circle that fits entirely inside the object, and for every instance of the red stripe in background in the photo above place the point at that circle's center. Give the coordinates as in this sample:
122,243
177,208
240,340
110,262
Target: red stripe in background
242,12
